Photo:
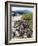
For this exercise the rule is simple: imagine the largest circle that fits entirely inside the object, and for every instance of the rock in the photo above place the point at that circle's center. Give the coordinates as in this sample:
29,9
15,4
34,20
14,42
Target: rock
22,29
29,33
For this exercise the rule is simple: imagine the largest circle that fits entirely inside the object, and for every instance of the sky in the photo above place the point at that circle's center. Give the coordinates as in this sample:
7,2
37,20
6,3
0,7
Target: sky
21,8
